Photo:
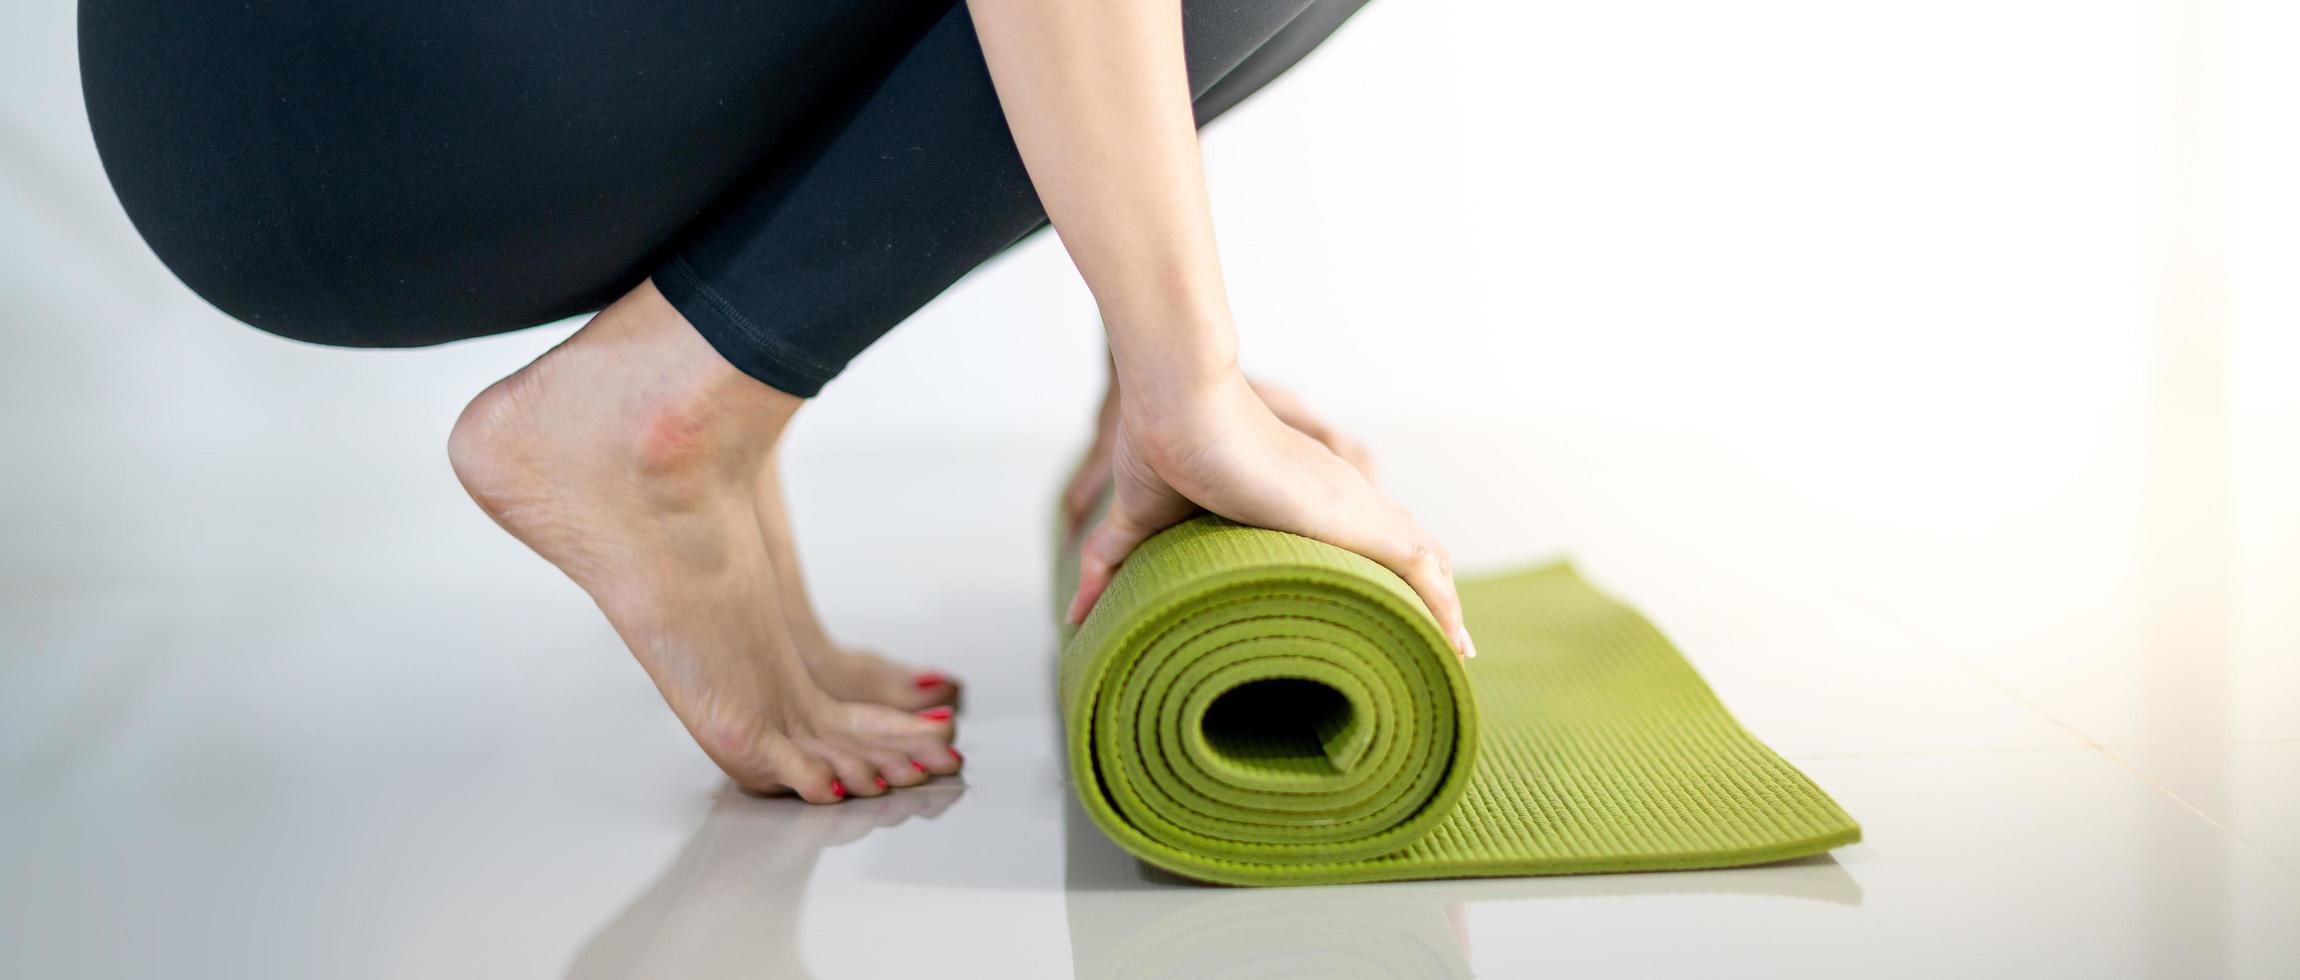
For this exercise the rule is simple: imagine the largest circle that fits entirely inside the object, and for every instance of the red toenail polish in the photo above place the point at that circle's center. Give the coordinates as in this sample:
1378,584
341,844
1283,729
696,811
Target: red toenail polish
928,679
954,754
920,766
838,790
880,780
935,714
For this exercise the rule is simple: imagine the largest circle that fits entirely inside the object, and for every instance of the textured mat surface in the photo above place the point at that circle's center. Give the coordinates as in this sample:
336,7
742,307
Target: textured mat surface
1250,707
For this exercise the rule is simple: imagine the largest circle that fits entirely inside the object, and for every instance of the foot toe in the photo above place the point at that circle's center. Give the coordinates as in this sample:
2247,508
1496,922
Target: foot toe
781,766
855,772
896,767
937,758
929,688
864,675
878,721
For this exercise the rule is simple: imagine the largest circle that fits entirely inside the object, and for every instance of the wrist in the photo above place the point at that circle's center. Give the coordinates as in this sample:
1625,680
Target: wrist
1164,382
1170,361
1172,406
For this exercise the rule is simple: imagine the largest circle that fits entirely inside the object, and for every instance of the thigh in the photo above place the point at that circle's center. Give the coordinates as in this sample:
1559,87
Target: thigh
408,172
1300,36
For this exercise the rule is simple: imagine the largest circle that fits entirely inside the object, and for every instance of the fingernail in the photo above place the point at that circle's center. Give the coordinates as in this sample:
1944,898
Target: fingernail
920,766
927,680
936,714
1462,641
880,780
954,754
838,790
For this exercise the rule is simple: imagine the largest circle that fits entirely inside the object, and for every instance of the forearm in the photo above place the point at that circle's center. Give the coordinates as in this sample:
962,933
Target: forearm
1097,97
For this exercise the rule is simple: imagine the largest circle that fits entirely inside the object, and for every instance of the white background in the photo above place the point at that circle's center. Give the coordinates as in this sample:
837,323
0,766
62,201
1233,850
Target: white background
1926,370
1950,242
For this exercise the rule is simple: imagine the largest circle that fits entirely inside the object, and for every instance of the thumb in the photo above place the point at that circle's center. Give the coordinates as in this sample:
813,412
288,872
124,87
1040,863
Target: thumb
1085,490
1099,556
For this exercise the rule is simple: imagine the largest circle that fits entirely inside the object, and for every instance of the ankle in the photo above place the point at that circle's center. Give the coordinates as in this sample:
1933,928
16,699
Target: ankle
693,412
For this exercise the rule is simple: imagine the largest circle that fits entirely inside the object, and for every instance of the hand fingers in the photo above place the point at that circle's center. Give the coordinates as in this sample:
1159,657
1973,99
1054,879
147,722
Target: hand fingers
1100,555
1085,488
1423,563
1290,409
1282,402
1378,528
1338,442
1351,451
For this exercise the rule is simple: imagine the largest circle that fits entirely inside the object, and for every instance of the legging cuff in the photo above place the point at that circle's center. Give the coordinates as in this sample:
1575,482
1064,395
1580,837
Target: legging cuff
751,348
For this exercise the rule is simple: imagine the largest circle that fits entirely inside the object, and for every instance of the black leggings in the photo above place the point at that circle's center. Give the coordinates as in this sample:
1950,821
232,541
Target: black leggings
796,176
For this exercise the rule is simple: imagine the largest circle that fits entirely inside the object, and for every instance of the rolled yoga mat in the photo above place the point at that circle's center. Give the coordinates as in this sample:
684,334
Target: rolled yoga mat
1250,707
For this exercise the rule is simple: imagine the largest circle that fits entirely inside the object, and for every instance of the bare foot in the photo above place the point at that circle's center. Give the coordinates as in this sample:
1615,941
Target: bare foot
627,456
844,672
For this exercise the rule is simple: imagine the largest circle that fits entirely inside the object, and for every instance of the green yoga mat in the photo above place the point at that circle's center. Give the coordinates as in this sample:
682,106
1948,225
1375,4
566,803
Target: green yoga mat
1249,707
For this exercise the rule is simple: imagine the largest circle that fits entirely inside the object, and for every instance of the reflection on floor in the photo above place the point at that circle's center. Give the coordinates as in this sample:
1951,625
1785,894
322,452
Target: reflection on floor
1128,919
733,899
729,904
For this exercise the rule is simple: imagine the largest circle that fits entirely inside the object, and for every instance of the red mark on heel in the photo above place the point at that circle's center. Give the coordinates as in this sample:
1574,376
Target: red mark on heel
936,714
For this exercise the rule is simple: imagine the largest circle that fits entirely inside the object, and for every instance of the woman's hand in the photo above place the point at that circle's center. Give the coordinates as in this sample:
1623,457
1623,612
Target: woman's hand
1092,476
1097,96
1222,448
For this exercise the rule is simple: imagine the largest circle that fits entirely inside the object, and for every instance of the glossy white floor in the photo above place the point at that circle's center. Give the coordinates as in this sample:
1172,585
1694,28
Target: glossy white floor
1953,442
442,765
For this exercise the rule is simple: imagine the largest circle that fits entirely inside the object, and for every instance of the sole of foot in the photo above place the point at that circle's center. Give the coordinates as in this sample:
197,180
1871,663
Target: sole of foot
627,457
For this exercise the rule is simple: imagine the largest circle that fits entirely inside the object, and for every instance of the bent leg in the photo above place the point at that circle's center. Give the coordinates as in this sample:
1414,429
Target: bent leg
397,173
910,188
1283,51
